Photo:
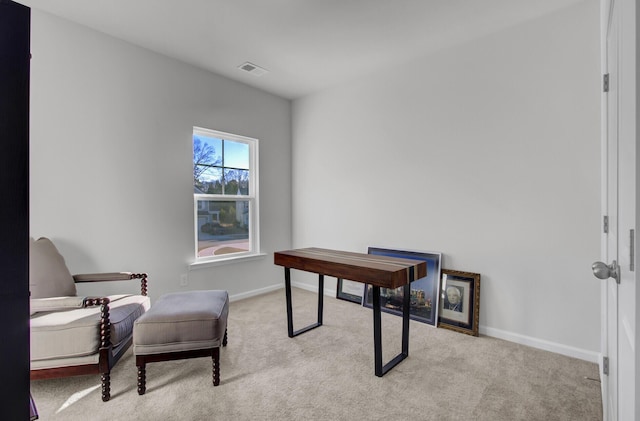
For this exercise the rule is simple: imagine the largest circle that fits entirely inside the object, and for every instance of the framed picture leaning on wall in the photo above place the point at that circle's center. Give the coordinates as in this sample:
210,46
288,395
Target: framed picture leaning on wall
424,291
459,301
350,290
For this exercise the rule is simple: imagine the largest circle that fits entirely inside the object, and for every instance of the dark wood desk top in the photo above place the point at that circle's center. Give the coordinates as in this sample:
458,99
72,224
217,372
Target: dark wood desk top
382,271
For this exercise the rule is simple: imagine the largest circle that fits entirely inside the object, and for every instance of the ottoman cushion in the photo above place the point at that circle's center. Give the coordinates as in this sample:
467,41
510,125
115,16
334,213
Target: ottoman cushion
182,321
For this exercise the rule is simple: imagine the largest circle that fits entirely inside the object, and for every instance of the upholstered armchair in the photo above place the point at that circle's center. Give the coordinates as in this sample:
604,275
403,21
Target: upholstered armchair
73,335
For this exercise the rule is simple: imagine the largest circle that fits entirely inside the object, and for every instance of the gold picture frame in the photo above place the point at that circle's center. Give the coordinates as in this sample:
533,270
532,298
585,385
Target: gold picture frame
459,301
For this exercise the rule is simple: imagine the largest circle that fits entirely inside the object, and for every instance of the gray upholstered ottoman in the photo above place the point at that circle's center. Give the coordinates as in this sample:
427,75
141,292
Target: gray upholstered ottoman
181,325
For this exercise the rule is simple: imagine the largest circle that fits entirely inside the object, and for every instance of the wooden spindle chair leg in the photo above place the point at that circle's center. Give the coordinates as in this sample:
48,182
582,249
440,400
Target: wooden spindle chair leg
106,386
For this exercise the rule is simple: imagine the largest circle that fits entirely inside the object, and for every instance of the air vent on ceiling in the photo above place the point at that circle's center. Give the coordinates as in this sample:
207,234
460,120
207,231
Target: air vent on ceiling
252,68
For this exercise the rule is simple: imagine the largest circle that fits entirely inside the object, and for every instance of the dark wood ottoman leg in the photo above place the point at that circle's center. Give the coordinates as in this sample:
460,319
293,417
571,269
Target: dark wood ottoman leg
215,356
142,376
224,340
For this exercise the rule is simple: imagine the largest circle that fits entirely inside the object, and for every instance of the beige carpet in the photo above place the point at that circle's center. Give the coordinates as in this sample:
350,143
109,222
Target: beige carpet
327,374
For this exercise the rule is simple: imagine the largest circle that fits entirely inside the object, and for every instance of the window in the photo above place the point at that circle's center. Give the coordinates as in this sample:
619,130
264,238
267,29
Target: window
225,198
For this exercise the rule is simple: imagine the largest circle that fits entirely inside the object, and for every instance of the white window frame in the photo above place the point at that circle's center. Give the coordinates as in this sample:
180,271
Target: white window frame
252,198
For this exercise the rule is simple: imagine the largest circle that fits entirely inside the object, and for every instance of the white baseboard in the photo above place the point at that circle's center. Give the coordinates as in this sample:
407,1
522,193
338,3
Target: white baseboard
569,351
255,292
313,288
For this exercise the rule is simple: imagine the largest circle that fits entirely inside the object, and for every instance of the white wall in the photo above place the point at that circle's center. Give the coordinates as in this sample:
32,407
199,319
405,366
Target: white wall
111,158
487,152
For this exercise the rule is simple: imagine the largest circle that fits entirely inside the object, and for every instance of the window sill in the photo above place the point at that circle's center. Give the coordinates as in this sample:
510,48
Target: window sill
225,261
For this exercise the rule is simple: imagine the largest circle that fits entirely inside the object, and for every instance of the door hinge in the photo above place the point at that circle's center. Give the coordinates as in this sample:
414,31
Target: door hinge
632,250
605,224
605,365
605,82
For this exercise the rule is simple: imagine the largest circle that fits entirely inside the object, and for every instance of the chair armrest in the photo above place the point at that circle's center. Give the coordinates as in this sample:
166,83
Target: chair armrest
113,276
102,277
105,323
95,301
55,304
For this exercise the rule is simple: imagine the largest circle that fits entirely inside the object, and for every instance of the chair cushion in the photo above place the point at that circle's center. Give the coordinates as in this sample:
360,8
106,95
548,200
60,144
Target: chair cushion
48,273
75,333
182,321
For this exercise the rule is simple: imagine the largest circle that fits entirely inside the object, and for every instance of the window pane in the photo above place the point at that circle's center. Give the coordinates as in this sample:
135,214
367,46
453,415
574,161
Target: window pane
223,227
207,180
236,182
207,152
236,154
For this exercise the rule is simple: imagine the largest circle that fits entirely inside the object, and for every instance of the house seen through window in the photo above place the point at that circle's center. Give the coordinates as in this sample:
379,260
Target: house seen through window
225,194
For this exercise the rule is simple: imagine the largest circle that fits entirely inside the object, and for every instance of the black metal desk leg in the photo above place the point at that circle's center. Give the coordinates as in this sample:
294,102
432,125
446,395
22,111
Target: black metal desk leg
320,297
380,369
405,320
287,287
377,334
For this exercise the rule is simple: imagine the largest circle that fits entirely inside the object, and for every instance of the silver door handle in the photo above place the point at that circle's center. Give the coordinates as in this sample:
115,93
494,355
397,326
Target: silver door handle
603,271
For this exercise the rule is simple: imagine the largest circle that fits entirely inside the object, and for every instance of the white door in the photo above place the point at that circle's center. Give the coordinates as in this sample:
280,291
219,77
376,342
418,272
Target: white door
625,13
619,293
609,271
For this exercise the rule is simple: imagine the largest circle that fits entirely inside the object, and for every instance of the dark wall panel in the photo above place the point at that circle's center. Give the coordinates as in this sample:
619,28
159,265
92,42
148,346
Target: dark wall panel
14,209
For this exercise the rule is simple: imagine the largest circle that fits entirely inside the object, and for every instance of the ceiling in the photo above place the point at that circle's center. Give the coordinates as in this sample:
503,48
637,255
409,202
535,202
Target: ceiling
306,45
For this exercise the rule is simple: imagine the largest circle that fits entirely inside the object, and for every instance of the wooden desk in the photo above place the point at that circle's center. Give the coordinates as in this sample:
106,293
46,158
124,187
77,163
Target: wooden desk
378,271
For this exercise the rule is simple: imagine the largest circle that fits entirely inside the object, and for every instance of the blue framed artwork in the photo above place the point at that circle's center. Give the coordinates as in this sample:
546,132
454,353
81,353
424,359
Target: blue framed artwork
424,291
